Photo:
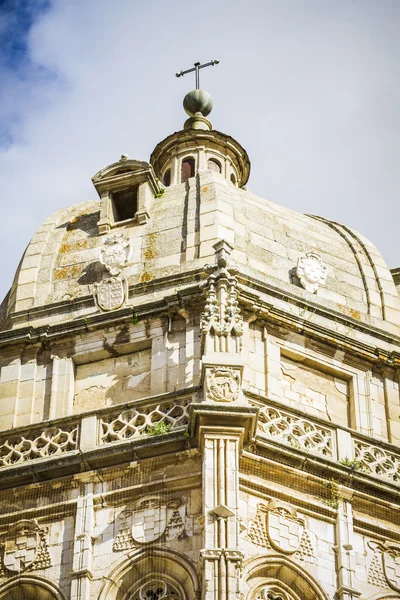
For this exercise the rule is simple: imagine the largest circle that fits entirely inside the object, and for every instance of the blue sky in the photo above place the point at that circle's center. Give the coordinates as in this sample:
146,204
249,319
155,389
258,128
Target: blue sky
310,88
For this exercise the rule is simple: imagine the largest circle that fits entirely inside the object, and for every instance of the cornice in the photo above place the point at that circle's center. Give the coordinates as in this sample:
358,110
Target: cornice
191,291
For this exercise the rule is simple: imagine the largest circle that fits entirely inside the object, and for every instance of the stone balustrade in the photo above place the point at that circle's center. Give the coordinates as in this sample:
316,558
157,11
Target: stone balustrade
149,419
170,413
21,445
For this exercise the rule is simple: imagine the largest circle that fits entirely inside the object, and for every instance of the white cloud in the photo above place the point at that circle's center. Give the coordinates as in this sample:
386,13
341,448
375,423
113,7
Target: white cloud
310,89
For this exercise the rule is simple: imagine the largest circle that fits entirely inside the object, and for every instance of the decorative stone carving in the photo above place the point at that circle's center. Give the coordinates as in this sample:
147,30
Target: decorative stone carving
111,293
272,592
277,526
150,520
221,323
39,444
24,547
300,433
377,461
257,532
135,422
223,384
385,566
156,589
311,271
115,253
284,528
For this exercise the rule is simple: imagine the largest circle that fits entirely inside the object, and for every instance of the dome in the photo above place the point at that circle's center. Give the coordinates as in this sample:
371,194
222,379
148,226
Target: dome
61,264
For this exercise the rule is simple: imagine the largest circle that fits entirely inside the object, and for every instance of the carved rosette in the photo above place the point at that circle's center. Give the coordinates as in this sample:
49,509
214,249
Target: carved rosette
112,292
24,547
311,271
223,384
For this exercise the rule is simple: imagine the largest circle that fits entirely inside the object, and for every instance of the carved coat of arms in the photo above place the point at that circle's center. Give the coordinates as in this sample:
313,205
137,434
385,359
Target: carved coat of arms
111,293
24,547
150,520
311,271
223,384
115,254
391,565
284,528
384,569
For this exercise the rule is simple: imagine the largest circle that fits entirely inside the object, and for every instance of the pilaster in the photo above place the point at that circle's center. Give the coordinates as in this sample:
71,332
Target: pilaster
81,575
344,551
62,387
223,423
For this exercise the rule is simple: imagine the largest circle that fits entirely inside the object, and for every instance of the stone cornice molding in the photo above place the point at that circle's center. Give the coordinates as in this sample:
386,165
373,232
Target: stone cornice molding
192,293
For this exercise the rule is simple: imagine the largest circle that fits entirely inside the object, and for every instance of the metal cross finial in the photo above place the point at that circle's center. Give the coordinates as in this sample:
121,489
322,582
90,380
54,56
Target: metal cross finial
196,69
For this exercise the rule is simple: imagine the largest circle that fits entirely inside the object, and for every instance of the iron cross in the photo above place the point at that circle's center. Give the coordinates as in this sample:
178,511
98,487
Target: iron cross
196,69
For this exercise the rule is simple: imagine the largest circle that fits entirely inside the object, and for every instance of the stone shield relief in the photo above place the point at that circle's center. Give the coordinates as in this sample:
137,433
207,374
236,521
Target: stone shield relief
151,520
112,292
223,384
24,547
391,566
284,529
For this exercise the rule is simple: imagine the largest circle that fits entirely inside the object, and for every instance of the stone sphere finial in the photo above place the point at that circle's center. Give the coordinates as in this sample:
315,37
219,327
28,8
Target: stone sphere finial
197,101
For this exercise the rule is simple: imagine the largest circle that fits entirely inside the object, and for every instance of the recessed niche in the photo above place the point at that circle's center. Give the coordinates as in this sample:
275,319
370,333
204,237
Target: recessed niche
319,392
112,381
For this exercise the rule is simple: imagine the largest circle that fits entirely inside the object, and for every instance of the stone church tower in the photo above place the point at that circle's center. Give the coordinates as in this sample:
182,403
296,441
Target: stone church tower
199,394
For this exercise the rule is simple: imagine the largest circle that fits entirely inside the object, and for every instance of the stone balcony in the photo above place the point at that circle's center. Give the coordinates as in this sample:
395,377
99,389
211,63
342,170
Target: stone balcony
117,434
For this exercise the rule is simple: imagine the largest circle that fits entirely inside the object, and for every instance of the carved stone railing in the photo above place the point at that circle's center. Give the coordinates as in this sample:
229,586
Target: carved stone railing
297,431
94,429
16,447
377,461
144,420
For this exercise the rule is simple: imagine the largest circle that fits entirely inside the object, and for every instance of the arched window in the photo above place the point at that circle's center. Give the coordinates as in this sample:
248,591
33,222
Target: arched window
274,593
187,171
214,165
167,178
156,589
233,179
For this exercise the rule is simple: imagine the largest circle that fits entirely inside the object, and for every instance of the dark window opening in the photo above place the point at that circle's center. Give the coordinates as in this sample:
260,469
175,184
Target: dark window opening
187,169
233,179
167,178
124,204
214,165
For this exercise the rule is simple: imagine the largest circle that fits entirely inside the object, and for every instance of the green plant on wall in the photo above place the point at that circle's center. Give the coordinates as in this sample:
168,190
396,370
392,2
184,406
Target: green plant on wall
295,443
334,500
159,428
354,465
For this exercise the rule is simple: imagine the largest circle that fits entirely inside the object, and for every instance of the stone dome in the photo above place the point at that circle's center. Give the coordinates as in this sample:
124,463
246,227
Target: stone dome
61,264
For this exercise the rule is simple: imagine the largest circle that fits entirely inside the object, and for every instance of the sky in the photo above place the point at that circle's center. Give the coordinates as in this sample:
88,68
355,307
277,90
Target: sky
310,88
